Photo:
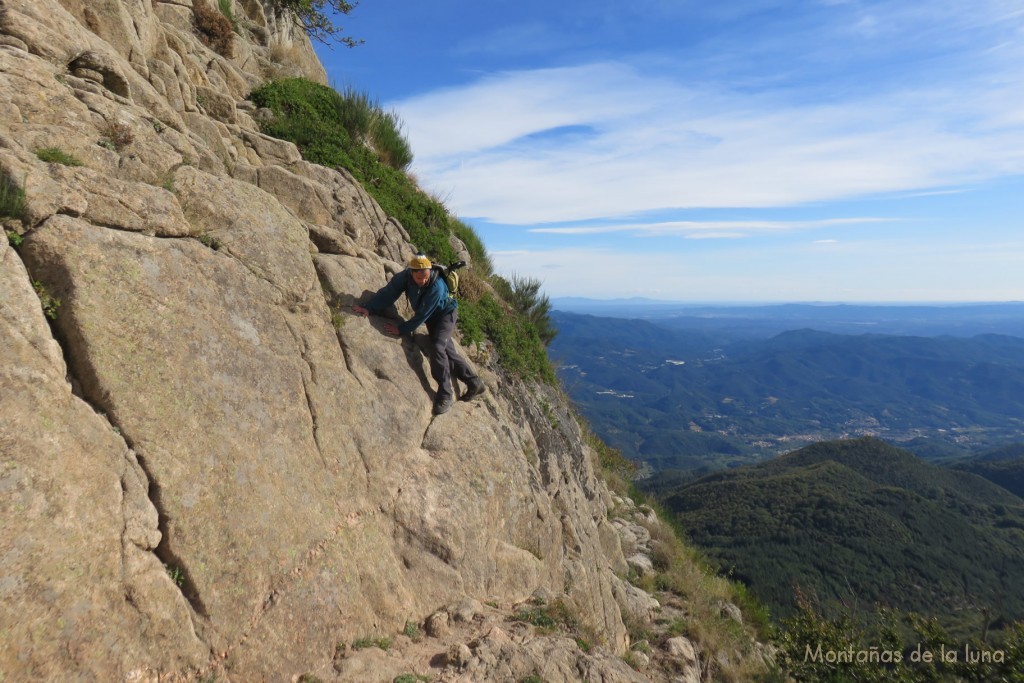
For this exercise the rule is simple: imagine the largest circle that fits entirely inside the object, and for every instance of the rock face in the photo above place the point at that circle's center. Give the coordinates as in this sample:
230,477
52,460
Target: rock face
207,464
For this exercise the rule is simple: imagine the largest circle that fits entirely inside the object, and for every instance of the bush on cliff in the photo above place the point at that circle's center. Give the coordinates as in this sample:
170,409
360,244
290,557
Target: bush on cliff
325,125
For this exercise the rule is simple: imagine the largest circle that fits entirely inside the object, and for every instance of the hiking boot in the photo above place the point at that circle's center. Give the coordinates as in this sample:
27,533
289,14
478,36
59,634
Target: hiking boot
474,388
442,405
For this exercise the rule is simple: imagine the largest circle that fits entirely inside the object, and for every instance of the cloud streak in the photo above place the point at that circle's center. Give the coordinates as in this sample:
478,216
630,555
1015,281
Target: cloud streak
613,139
707,229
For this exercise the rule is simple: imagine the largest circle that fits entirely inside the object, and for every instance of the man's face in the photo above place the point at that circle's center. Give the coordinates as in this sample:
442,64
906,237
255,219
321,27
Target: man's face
421,276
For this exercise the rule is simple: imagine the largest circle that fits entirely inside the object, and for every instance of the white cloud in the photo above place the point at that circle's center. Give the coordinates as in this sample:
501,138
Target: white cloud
642,142
707,229
849,271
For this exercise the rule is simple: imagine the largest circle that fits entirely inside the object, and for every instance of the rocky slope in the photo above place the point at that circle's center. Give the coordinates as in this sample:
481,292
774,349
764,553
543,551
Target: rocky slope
208,466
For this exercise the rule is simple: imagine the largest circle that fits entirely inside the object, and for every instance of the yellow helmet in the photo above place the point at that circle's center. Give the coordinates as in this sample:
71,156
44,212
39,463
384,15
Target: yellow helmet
419,262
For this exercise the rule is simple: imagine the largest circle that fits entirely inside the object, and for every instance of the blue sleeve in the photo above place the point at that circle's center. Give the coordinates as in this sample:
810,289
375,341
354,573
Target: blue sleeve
388,294
432,299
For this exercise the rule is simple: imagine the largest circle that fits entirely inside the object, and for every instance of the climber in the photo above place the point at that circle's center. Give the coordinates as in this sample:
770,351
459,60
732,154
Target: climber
428,295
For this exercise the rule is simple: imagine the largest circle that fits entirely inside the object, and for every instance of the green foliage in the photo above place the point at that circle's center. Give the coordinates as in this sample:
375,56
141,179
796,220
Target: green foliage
1006,471
14,239
345,131
523,294
210,241
548,617
365,121
337,319
412,630
314,18
519,346
225,9
12,197
369,641
409,678
482,264
744,401
176,574
889,646
859,522
49,303
390,143
54,155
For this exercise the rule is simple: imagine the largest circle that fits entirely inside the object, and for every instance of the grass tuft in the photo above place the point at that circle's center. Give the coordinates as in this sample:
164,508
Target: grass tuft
12,197
55,155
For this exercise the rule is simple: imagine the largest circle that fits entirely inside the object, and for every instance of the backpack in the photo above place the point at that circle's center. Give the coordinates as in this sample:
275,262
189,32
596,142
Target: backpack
450,275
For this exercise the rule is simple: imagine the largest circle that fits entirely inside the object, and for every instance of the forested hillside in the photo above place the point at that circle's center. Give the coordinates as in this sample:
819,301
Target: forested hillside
679,399
857,523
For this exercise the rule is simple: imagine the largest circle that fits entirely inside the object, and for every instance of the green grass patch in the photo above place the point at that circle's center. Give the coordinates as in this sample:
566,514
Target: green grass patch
369,641
55,155
547,617
349,130
49,302
12,197
517,341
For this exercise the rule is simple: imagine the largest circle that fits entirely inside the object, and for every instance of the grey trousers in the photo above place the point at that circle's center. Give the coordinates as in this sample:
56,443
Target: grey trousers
445,361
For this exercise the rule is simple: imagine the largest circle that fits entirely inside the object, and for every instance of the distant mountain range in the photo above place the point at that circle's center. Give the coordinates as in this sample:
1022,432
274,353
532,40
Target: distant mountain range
692,399
859,522
734,322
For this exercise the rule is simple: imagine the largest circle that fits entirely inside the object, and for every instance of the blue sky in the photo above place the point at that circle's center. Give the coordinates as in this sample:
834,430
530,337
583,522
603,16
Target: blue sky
739,151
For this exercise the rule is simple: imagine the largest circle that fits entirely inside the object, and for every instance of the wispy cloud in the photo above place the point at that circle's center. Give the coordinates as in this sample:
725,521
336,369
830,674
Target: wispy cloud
613,139
707,229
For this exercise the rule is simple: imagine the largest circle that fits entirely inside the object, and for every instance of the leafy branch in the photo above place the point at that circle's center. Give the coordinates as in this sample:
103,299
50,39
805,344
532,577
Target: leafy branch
314,16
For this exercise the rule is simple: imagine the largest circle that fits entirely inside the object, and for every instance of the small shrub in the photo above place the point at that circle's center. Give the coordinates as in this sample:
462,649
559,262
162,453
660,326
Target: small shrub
177,576
116,136
388,141
547,617
369,641
482,263
519,346
49,302
523,293
14,239
54,155
338,322
12,197
210,241
215,29
412,630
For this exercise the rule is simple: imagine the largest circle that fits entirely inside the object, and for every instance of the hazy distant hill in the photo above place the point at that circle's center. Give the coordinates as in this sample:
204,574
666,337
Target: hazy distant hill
733,322
858,522
680,399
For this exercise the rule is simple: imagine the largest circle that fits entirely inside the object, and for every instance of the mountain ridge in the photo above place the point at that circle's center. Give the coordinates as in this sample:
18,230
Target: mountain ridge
860,522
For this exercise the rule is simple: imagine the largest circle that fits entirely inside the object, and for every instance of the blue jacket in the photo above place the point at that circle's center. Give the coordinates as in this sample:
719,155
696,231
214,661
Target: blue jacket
427,301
